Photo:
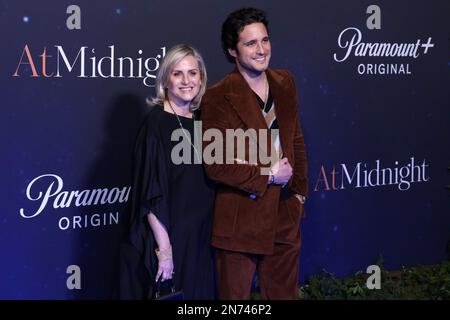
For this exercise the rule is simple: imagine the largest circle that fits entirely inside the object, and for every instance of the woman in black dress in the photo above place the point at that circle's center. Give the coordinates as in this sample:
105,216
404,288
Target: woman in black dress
172,199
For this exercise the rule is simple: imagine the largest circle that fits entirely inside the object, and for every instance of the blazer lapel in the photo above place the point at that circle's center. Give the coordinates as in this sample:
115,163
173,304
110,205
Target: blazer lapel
283,99
243,101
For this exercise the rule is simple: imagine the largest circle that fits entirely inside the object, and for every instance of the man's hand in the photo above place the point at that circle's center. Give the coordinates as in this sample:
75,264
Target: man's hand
282,171
300,198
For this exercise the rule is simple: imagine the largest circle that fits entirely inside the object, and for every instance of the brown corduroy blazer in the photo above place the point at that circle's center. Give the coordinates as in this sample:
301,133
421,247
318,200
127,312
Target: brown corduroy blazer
246,207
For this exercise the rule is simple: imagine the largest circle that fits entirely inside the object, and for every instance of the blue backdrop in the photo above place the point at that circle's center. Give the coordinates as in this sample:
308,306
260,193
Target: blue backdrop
373,84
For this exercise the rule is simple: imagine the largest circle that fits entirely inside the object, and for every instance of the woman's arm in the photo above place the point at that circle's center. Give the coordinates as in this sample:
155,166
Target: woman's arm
164,250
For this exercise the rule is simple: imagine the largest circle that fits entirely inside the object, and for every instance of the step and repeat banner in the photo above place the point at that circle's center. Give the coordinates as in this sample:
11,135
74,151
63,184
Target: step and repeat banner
373,83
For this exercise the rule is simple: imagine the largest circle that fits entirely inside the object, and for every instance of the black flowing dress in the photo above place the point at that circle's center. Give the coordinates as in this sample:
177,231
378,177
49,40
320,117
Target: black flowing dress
182,198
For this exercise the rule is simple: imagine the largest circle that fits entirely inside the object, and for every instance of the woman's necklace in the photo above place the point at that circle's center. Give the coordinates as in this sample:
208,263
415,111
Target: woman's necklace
184,133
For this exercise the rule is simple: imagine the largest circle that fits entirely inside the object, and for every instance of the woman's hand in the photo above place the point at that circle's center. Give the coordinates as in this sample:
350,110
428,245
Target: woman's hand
164,252
165,264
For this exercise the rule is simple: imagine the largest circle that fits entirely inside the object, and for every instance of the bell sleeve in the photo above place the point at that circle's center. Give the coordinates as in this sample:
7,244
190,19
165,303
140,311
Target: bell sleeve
149,193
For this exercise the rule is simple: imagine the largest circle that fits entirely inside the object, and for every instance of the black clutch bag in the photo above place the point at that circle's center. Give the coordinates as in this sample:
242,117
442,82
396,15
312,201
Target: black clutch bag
166,291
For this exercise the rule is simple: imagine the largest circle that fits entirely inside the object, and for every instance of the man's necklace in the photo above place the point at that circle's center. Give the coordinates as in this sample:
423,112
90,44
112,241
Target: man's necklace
267,96
184,133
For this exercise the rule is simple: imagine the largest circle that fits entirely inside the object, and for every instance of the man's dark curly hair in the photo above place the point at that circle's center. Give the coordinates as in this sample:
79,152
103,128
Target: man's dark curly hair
235,22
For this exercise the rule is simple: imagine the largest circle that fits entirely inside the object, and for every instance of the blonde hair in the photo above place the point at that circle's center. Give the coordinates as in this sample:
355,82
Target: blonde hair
172,57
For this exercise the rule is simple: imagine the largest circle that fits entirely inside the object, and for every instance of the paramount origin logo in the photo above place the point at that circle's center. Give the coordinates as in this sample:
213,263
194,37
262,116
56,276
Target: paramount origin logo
352,43
47,191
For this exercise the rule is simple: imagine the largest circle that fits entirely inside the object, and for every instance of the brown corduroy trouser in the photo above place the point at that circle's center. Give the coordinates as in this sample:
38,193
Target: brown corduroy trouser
278,273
